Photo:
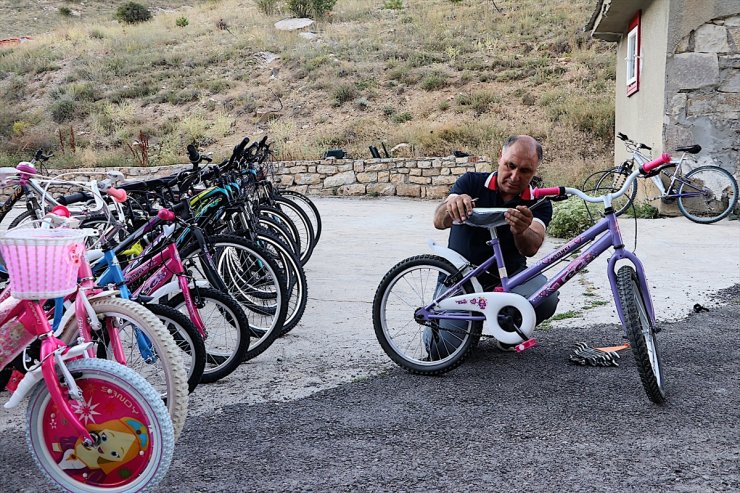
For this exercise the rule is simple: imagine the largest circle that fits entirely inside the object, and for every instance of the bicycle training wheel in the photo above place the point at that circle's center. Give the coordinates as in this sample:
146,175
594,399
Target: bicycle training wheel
120,409
641,334
149,349
430,348
707,194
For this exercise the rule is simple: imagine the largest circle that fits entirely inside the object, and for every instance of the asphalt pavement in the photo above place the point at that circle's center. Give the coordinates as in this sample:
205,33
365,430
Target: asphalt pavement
324,409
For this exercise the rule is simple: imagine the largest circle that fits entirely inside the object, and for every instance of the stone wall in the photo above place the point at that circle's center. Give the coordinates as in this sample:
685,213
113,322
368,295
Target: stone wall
703,93
429,178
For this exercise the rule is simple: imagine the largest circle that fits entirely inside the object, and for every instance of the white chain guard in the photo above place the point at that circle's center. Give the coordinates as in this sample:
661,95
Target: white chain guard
490,304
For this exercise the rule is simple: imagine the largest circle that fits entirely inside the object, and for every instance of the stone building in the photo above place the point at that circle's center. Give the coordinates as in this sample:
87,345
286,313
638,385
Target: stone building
678,74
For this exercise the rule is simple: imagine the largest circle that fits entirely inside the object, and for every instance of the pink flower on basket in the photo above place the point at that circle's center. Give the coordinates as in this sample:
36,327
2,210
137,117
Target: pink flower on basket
75,254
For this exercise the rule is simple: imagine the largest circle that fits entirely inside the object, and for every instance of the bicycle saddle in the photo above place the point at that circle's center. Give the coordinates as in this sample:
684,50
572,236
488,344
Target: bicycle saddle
152,184
694,149
487,217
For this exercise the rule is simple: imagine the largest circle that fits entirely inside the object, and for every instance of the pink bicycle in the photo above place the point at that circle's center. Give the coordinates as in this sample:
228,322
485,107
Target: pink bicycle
92,424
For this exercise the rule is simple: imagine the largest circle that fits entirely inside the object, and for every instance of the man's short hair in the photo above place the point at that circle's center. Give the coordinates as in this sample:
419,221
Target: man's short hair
510,141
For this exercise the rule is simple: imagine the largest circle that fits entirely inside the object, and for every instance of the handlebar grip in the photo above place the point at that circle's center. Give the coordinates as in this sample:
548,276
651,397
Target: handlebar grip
117,194
26,168
166,215
61,210
663,159
74,198
548,192
193,154
622,136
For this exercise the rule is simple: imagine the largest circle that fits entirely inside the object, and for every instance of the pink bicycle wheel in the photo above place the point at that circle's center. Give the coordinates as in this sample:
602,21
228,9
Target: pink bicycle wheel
134,431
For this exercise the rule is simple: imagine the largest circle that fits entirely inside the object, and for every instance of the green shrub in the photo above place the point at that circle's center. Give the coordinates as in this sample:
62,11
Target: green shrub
642,210
268,7
310,8
132,13
569,219
65,11
393,4
182,22
362,103
434,81
344,93
480,101
65,110
402,117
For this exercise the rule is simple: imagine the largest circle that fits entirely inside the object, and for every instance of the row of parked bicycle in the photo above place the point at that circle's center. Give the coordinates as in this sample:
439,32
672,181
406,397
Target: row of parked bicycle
181,279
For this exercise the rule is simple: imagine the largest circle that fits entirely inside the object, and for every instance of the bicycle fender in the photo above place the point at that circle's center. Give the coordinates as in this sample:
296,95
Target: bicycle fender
490,304
69,310
173,288
455,259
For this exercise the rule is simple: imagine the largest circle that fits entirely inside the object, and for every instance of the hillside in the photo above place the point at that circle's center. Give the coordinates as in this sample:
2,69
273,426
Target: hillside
437,74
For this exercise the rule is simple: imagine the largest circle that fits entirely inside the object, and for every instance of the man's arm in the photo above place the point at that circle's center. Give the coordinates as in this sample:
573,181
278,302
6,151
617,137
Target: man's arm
528,234
454,208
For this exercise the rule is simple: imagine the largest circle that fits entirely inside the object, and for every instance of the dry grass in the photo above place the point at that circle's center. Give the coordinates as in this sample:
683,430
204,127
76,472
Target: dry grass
438,75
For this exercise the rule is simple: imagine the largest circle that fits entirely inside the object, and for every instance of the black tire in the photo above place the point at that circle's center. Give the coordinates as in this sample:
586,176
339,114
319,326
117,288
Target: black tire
296,221
301,220
612,181
227,331
297,287
282,218
281,231
187,338
308,206
253,278
393,313
641,334
718,196
23,217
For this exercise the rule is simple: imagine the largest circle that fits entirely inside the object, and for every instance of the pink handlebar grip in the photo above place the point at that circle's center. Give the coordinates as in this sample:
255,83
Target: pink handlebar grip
27,168
166,215
117,194
60,210
548,192
663,159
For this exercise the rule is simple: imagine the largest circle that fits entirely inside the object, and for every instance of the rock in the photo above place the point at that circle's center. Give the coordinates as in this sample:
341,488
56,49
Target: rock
731,83
692,70
293,24
710,38
346,178
266,57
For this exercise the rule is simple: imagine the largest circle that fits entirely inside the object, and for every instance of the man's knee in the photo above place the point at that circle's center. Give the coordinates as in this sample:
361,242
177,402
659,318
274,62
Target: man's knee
547,308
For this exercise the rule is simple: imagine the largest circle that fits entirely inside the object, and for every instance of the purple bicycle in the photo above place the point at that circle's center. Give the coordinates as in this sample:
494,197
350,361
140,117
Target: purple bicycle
438,297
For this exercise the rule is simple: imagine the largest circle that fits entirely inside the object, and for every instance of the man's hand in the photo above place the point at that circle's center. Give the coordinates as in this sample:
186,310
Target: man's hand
455,208
519,219
528,234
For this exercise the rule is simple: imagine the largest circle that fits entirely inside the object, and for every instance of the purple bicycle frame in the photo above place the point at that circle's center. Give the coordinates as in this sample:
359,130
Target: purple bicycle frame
611,238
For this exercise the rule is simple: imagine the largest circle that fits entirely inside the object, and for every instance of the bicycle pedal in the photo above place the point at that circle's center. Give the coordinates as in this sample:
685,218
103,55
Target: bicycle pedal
15,379
525,345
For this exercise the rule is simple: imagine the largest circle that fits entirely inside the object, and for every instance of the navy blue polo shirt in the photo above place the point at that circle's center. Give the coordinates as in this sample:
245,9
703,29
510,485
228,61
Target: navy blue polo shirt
470,241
